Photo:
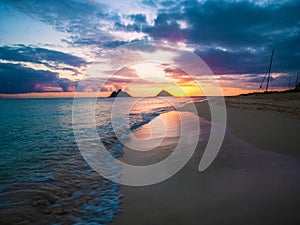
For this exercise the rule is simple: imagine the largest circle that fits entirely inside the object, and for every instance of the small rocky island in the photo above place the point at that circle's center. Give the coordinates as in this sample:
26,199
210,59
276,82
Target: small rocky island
119,93
164,93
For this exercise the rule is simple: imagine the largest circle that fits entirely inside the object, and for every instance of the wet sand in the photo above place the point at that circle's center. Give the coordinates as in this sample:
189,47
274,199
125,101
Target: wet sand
252,181
270,122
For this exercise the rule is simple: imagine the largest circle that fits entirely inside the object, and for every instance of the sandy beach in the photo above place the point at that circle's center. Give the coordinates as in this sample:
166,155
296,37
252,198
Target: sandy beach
270,122
254,179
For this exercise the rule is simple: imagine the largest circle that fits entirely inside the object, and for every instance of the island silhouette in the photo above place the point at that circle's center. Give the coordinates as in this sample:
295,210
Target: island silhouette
119,93
164,93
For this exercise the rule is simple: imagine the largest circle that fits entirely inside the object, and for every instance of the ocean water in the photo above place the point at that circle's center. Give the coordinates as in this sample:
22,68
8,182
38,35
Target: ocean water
44,178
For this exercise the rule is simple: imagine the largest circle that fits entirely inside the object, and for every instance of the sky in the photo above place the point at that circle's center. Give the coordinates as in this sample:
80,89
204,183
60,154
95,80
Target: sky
47,48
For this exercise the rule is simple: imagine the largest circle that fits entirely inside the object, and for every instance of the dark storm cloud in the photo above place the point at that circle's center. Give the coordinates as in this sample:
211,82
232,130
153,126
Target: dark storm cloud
23,53
237,37
138,18
225,62
139,24
229,22
232,37
242,26
248,32
166,27
252,81
15,79
67,85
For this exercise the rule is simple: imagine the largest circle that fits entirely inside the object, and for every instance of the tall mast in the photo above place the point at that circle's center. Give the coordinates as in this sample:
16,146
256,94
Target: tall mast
297,80
269,70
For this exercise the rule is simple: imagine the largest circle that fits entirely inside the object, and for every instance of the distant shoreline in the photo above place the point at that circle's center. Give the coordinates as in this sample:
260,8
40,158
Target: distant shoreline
267,121
72,95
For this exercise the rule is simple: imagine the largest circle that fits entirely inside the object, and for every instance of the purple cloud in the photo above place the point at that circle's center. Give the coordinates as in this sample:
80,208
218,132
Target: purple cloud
15,79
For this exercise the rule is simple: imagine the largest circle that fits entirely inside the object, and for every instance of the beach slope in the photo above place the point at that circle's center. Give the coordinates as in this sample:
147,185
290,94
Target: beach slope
244,185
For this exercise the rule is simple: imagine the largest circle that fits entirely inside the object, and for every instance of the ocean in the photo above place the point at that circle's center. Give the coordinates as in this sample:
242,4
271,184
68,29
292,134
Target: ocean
44,178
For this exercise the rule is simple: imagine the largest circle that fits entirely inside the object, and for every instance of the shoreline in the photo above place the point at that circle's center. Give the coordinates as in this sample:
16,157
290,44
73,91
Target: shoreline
246,183
268,122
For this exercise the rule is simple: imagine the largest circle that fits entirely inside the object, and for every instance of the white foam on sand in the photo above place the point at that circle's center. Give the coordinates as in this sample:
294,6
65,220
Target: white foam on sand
157,140
167,125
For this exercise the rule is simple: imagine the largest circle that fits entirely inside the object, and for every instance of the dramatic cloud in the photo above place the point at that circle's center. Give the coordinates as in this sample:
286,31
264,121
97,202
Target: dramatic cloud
232,36
22,53
177,75
235,38
15,78
109,81
82,19
253,81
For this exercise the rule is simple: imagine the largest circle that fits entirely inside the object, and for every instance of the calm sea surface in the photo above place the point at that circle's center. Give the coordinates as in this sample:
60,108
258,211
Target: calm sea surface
44,178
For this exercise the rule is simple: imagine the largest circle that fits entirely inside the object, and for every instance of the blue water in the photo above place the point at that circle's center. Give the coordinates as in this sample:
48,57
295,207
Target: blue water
44,178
